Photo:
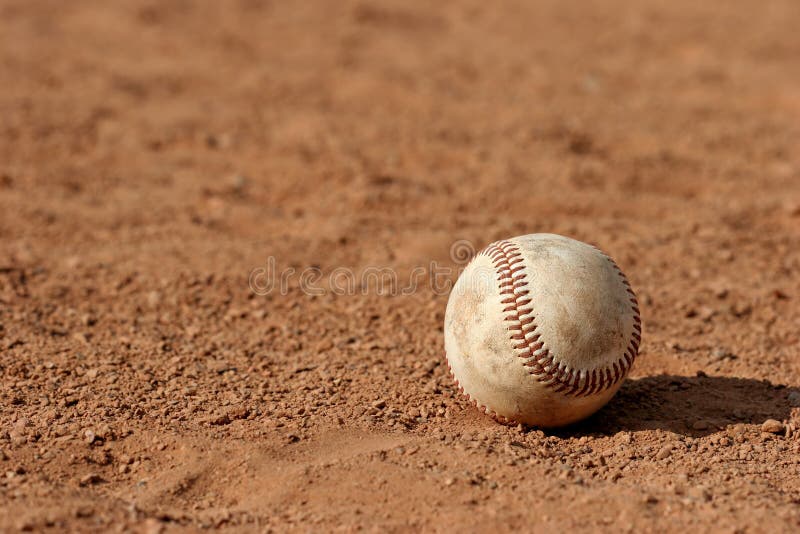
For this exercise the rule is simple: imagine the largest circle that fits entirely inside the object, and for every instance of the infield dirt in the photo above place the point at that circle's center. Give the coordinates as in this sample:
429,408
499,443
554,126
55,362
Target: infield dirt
155,155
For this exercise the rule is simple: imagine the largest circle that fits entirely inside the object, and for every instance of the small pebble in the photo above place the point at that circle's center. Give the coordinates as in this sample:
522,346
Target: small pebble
701,425
84,511
772,426
91,478
664,453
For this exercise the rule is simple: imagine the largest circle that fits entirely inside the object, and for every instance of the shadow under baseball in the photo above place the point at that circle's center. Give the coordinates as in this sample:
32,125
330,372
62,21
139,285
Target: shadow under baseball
688,405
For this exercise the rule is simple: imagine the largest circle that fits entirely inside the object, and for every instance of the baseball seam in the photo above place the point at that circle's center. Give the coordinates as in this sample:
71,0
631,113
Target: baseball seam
542,363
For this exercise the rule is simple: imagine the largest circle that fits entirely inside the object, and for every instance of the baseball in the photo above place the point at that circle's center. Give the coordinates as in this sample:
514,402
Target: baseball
541,329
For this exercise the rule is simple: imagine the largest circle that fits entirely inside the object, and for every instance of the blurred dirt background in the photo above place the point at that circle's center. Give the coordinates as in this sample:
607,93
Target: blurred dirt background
154,154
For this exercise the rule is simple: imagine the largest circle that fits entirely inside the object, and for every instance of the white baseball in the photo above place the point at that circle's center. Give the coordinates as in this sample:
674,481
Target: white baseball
541,329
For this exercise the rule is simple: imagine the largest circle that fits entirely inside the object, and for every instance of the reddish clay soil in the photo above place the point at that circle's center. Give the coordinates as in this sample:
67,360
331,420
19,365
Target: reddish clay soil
155,154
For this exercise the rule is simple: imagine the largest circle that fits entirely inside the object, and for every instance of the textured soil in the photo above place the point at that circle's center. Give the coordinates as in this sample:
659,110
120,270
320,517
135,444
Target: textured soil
153,156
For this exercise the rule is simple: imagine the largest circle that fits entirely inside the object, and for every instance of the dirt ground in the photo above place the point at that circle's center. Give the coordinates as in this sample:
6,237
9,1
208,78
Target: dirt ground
155,155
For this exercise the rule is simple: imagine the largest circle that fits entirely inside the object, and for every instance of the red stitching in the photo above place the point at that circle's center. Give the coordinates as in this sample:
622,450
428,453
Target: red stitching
505,256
